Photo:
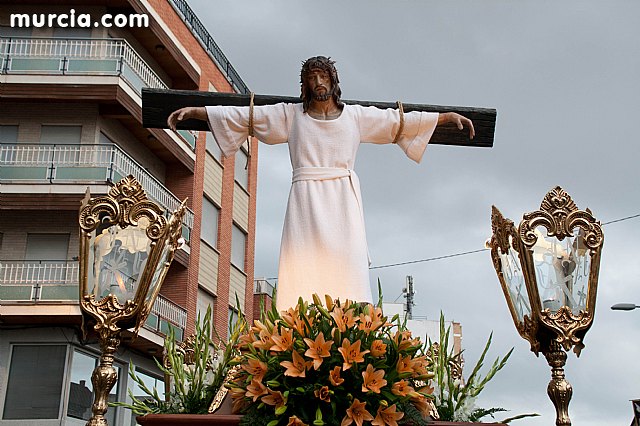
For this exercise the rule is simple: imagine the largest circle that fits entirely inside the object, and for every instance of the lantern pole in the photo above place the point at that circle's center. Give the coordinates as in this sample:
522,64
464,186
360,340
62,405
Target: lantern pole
126,248
560,278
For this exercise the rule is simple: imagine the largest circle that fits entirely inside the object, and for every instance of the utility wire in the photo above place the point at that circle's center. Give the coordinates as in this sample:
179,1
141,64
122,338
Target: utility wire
621,220
477,251
429,259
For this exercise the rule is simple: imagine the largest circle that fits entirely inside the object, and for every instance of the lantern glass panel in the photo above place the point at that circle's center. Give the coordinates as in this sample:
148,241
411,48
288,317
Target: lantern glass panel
514,280
562,270
116,260
157,273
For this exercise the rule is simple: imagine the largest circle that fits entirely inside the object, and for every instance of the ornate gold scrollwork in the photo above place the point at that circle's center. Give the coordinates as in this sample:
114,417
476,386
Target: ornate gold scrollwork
125,205
566,325
560,216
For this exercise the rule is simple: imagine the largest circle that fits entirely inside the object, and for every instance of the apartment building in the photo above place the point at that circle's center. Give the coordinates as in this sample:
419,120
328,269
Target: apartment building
71,118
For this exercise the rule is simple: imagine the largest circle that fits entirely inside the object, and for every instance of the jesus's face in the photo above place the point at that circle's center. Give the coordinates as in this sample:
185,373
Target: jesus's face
318,83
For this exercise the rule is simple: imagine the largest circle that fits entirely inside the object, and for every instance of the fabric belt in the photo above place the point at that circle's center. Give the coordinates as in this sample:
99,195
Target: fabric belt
330,173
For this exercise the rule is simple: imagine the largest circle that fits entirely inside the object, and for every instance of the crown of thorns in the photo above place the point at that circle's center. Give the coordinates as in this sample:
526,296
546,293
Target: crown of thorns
321,62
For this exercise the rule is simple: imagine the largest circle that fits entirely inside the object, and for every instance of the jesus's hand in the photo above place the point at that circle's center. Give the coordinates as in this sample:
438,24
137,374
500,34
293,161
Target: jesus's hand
459,120
199,113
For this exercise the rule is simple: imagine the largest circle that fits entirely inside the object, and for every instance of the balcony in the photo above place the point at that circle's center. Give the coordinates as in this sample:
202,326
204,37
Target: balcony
262,286
113,57
57,281
82,164
38,281
81,57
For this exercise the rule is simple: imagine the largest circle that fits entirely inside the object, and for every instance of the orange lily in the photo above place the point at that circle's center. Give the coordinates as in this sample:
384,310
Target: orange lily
334,376
297,367
405,365
283,341
318,349
378,348
275,398
256,389
369,323
291,317
389,417
264,341
356,413
402,388
343,319
351,353
403,339
423,405
323,394
256,368
295,421
373,379
420,366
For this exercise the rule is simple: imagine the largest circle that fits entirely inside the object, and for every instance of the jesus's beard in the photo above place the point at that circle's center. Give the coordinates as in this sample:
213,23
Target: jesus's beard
323,97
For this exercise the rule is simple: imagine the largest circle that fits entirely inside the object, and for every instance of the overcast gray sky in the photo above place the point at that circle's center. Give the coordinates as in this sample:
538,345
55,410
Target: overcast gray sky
564,79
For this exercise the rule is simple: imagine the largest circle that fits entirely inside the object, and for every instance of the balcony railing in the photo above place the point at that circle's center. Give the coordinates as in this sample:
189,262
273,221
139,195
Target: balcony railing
77,56
47,281
200,31
164,315
261,286
38,280
84,164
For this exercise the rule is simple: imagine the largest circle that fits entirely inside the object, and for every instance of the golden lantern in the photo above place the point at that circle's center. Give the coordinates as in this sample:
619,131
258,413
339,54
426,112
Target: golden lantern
126,247
548,269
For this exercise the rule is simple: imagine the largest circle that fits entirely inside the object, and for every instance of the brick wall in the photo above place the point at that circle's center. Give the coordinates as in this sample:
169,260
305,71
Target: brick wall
15,225
210,75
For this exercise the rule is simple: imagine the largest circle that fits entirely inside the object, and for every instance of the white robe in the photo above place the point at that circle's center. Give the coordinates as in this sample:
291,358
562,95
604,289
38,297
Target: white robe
324,246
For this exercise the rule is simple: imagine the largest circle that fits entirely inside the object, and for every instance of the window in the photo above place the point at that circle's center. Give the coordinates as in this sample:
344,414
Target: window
31,365
81,388
8,31
210,215
212,146
238,245
61,135
241,169
71,32
233,317
105,140
150,382
8,134
49,247
204,301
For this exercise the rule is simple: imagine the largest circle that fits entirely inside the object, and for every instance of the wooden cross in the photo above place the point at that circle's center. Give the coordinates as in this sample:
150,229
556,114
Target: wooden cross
157,104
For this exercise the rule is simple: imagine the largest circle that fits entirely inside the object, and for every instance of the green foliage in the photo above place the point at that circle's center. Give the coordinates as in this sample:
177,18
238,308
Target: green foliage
455,398
195,376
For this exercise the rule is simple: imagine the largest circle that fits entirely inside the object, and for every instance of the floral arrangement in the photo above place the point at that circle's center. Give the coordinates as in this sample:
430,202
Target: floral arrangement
455,398
195,368
338,364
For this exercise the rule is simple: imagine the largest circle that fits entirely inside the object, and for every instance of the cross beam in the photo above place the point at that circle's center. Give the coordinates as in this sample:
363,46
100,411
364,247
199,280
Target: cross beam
157,104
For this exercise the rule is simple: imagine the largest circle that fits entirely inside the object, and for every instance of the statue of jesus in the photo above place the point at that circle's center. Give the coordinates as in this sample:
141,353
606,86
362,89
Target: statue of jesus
324,246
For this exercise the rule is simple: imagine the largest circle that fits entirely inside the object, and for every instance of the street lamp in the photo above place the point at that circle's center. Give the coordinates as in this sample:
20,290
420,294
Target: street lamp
548,269
126,247
624,307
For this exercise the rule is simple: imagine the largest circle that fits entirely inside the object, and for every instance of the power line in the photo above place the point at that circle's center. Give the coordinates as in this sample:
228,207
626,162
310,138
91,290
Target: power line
477,251
430,259
621,220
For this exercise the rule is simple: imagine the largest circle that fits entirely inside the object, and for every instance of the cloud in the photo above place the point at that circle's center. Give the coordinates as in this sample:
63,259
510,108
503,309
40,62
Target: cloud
563,77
